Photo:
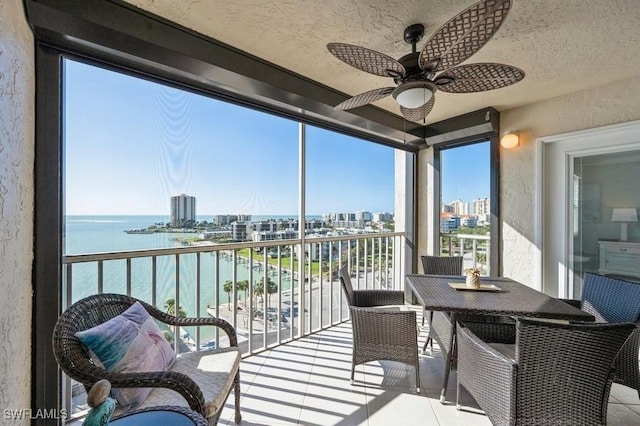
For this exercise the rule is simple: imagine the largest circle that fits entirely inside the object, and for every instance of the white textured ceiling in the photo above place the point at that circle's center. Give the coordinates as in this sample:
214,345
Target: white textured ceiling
562,45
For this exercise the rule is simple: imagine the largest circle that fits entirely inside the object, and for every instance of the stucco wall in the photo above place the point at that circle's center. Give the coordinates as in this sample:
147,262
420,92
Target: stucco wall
614,103
17,101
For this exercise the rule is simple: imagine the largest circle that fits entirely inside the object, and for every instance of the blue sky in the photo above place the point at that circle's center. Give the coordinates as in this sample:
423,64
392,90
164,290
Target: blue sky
131,144
465,173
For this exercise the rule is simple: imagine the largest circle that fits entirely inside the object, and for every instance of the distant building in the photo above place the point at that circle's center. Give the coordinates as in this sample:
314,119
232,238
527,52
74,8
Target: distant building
449,224
481,206
363,215
287,234
382,217
227,219
460,207
470,221
183,210
483,219
240,230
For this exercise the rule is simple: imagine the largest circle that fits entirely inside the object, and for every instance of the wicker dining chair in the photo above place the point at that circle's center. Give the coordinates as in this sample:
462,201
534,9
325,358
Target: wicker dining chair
200,380
439,265
612,300
380,331
555,374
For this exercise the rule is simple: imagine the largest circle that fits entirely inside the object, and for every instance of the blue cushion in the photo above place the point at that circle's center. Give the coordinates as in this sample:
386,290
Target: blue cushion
130,342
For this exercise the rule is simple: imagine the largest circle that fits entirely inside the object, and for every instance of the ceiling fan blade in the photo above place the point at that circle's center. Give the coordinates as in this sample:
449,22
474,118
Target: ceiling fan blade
366,60
364,98
463,35
478,77
417,114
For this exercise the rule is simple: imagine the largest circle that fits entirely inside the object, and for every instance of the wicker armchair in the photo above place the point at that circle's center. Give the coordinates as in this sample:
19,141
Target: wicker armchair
186,384
555,374
381,333
612,300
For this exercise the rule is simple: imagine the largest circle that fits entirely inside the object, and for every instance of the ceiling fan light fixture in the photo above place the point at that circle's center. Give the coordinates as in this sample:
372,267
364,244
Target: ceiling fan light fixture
414,94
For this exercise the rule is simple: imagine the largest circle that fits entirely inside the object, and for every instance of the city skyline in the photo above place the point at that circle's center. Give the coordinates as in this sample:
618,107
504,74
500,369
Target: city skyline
131,143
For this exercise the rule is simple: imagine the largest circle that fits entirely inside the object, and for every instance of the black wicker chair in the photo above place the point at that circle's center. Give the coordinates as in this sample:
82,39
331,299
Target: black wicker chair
440,265
612,300
555,374
380,333
184,385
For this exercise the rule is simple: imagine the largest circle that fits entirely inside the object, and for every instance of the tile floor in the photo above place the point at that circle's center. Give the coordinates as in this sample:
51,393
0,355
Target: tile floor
306,382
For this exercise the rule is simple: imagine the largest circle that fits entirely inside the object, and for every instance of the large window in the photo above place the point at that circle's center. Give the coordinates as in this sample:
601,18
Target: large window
465,208
147,166
126,162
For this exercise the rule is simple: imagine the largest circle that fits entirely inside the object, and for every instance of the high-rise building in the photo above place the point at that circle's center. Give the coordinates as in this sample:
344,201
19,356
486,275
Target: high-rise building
460,207
183,210
481,206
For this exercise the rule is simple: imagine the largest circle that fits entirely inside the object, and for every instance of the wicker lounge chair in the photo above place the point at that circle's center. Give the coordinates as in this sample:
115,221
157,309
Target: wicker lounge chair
381,333
187,383
613,300
555,374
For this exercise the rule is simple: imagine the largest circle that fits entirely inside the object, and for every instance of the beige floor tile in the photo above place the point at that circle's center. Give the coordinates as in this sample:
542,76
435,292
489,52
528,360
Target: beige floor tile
395,407
306,382
621,415
624,394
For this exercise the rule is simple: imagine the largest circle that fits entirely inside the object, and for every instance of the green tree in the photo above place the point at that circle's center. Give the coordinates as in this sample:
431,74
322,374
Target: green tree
244,287
170,307
258,290
272,288
228,288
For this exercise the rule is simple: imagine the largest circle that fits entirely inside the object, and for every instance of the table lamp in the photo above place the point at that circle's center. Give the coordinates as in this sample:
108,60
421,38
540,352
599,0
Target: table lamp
624,215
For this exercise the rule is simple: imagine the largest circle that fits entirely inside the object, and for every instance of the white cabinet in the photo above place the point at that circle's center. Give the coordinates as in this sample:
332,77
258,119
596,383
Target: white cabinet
617,257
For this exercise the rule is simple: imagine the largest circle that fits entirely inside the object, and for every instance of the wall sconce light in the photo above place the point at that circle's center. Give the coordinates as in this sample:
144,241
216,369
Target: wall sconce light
510,140
624,215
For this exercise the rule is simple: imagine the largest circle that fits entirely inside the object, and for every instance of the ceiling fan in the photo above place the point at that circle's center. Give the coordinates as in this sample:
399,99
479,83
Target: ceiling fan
418,75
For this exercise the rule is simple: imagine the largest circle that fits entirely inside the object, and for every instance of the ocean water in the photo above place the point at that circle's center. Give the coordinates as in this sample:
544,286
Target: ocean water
99,234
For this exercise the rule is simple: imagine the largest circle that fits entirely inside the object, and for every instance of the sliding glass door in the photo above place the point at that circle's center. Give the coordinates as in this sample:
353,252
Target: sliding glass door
589,201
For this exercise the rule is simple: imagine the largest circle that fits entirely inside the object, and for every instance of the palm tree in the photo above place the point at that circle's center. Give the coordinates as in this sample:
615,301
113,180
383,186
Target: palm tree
170,307
272,288
258,290
243,286
228,288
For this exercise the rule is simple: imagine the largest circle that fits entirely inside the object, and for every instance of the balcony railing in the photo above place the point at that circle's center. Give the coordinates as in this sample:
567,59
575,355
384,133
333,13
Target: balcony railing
475,250
272,292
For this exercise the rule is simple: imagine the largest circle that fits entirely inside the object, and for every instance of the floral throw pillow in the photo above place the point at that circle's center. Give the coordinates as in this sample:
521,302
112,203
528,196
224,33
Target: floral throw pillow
131,342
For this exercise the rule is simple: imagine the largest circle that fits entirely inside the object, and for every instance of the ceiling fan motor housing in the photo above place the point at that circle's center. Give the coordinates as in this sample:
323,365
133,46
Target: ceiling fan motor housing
443,54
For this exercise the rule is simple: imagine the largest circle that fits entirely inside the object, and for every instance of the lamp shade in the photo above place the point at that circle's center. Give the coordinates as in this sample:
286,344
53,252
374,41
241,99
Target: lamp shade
624,215
414,94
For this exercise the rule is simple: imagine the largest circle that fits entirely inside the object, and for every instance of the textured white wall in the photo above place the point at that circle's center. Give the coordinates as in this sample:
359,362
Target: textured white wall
610,104
17,100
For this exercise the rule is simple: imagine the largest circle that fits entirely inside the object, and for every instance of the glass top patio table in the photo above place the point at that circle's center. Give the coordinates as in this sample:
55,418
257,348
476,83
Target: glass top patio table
434,293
